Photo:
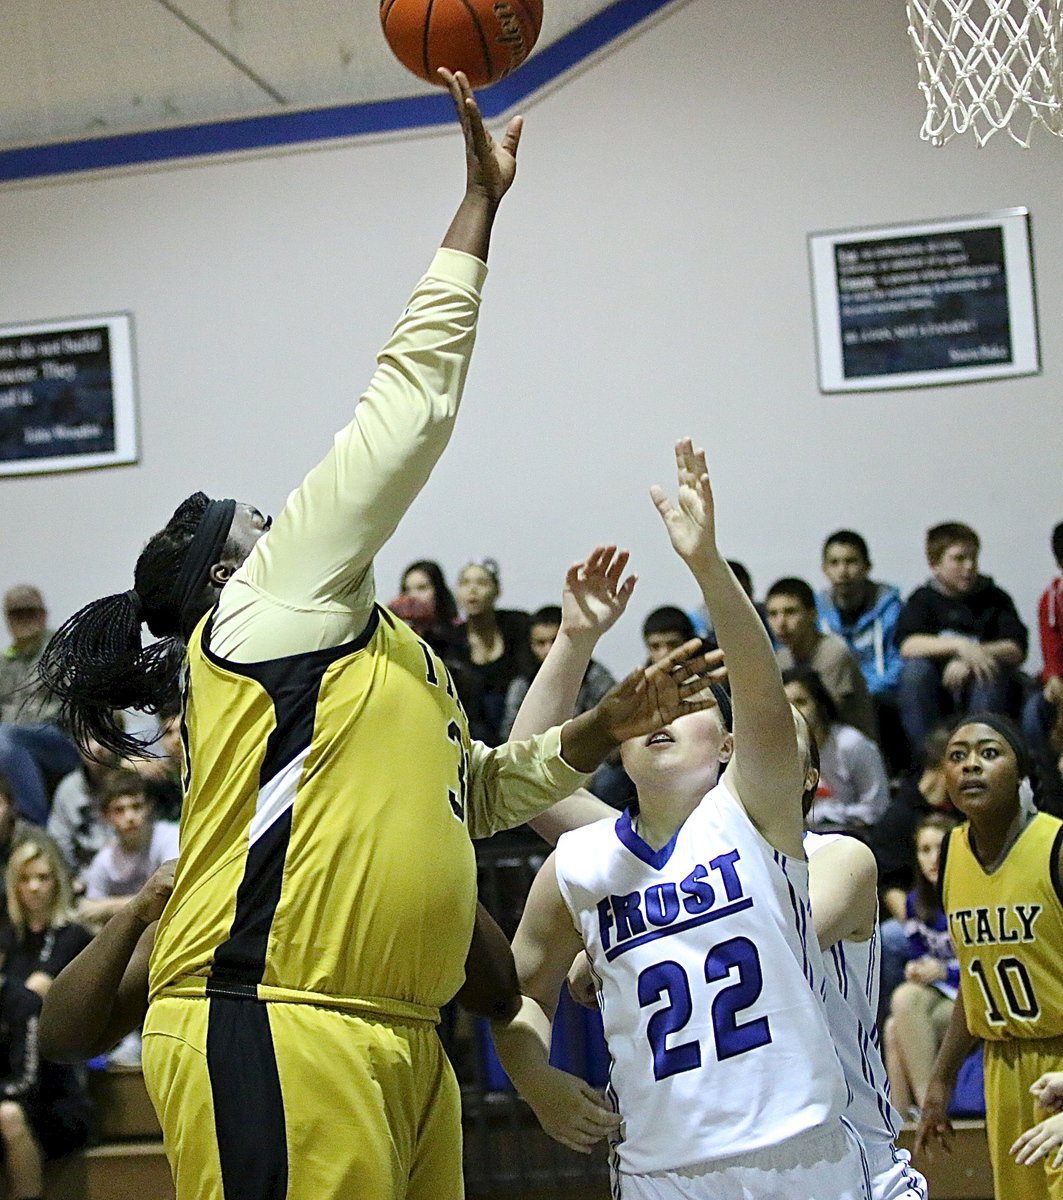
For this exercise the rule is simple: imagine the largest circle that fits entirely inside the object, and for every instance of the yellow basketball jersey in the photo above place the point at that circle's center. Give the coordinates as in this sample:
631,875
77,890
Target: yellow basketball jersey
1007,928
325,853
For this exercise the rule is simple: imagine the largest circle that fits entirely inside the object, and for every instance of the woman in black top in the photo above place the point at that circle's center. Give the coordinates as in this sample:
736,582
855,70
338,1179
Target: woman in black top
492,642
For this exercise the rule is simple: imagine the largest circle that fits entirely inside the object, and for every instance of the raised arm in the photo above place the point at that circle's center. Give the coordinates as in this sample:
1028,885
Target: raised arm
545,943
592,600
311,568
765,771
102,995
842,886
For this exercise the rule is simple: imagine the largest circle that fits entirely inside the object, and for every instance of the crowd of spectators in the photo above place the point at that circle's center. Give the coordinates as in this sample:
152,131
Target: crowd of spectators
875,676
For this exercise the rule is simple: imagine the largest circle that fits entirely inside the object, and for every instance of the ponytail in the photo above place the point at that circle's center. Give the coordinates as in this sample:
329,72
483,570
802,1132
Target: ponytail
96,662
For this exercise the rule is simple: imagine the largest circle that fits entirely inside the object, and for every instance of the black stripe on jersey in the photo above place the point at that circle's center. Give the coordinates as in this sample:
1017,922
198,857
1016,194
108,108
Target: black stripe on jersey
293,684
248,1106
1053,864
943,855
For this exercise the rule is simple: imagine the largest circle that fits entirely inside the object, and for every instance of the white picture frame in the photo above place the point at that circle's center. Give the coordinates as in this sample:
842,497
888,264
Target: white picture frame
67,394
934,302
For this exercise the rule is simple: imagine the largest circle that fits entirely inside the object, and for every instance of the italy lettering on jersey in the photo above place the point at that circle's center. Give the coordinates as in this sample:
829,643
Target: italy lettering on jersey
1007,930
710,984
852,1009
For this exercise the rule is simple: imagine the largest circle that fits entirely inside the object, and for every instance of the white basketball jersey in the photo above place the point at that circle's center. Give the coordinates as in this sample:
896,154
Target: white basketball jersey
852,1008
709,982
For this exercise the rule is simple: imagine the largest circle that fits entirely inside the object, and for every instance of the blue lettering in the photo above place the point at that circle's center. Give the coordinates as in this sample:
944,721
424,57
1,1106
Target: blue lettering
698,893
662,904
724,863
628,918
605,921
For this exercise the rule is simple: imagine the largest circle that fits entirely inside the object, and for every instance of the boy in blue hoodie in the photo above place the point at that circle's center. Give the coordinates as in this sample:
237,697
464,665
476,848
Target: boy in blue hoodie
865,613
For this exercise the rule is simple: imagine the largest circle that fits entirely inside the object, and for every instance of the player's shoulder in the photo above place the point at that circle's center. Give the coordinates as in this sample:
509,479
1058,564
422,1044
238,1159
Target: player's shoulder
841,850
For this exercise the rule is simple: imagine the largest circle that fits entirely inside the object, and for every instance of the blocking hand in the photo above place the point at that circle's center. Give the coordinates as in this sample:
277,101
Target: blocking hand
149,902
652,697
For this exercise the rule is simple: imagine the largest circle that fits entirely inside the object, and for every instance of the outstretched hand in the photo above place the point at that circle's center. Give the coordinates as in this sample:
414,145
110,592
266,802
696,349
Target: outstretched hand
593,598
490,165
691,521
652,697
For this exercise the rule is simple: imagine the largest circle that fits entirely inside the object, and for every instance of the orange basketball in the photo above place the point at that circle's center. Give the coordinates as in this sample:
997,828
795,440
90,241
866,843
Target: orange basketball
484,38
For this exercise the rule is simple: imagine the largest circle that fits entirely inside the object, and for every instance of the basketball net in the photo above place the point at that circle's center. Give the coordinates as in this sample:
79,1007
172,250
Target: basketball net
986,65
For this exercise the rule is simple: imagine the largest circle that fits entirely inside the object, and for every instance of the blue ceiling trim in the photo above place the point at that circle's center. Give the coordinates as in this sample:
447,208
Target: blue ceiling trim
322,124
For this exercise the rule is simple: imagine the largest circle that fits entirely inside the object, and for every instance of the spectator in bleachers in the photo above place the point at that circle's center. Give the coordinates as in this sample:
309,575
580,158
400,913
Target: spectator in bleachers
161,769
793,621
920,792
665,630
921,1006
864,614
423,583
544,627
42,933
140,845
853,791
35,752
1042,718
44,1110
14,830
76,821
492,642
961,638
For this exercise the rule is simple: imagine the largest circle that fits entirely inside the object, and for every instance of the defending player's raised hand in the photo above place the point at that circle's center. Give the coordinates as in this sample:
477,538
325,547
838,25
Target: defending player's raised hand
1048,1090
654,696
691,521
1040,1141
490,165
593,598
570,1110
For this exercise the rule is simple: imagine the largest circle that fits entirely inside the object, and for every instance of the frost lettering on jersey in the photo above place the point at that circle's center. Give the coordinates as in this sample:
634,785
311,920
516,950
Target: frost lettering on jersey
706,894
997,926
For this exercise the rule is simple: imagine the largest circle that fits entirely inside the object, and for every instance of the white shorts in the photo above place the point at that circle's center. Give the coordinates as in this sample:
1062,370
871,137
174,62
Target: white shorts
827,1163
892,1175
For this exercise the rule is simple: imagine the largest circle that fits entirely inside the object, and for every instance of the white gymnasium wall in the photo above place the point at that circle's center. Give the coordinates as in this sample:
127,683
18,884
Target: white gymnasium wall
649,279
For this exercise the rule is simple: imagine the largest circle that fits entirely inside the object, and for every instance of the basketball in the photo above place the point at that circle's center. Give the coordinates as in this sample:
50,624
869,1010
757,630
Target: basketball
487,39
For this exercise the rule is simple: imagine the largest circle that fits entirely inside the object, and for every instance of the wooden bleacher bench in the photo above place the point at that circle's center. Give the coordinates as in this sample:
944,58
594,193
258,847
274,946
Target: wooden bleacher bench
128,1163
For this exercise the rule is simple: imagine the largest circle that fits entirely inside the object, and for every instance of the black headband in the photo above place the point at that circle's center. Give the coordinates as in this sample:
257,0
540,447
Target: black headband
1007,730
211,534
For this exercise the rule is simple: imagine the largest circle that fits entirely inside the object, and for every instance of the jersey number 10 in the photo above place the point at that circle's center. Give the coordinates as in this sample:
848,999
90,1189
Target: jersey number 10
731,1038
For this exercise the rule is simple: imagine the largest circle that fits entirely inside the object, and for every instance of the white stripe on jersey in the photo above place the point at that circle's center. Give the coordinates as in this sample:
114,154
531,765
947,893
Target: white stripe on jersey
707,967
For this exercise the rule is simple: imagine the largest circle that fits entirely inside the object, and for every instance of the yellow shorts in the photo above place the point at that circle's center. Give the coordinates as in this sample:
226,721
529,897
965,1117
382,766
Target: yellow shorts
298,1102
1010,1067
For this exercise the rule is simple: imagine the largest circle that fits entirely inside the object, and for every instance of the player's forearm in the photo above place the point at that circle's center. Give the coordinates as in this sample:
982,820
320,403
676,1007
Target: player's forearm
523,1045
551,698
470,230
76,1021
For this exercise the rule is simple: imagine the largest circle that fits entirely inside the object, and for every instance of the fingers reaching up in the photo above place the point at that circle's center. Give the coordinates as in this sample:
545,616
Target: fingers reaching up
491,165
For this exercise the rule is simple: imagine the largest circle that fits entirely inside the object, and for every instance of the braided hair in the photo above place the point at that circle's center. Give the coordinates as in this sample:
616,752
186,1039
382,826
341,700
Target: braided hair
96,662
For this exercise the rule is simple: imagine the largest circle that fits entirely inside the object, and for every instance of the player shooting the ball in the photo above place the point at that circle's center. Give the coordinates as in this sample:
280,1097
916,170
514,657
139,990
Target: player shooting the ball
325,893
